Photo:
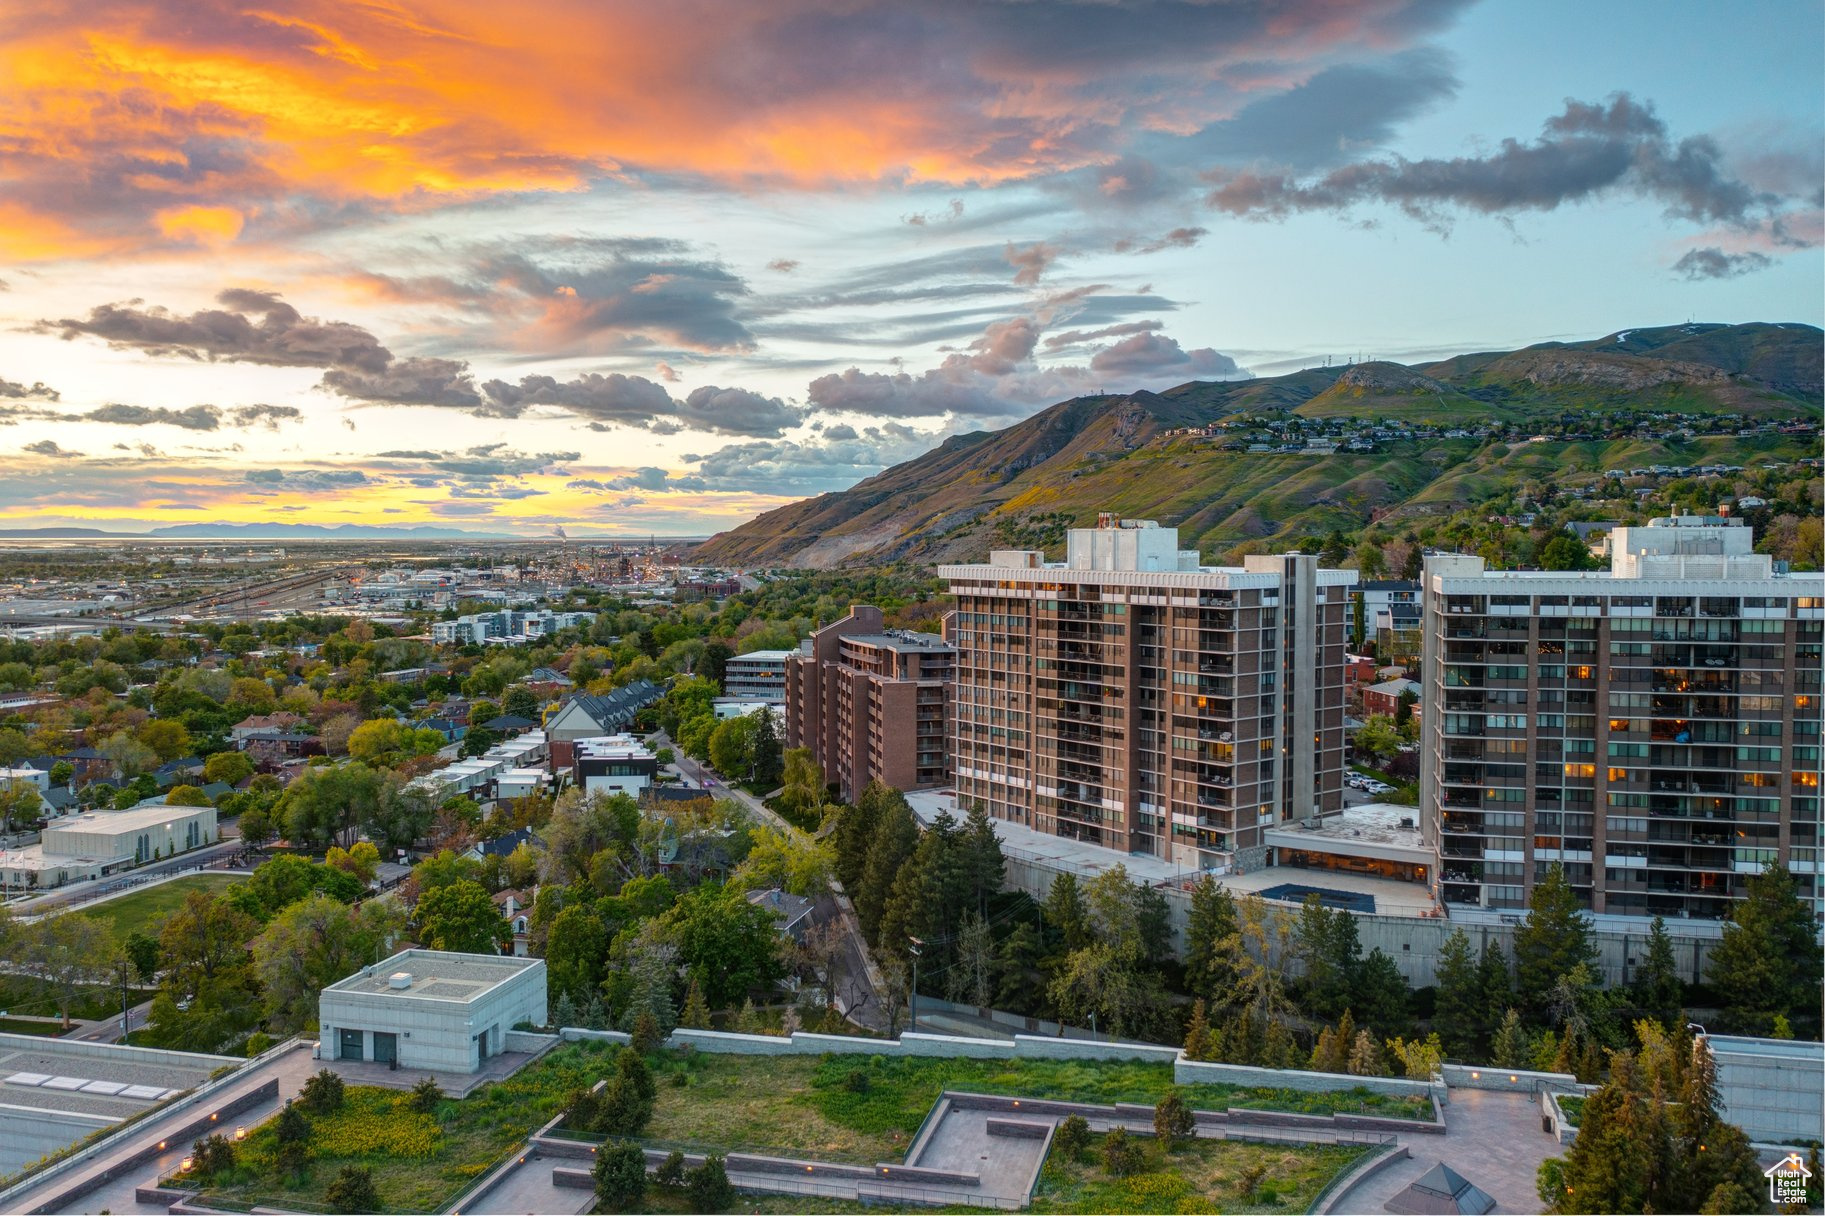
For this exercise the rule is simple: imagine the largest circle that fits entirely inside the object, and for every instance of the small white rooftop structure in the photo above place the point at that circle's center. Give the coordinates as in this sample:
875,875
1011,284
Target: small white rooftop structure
431,1009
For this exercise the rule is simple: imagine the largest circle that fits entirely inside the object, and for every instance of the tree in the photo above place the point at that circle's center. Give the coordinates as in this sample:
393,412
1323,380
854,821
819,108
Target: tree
983,861
65,953
168,740
1509,1049
620,1175
19,803
1326,943
1172,1121
627,1100
1657,987
730,749
352,1190
802,785
186,795
576,951
230,768
128,755
462,918
142,951
1065,913
696,1014
1566,552
323,1093
1457,1013
203,938
312,944
1378,737
1072,1137
1554,938
1197,1032
361,859
763,749
1365,1056
1212,921
281,881
521,703
708,1186
1768,961
727,944
894,840
1121,1155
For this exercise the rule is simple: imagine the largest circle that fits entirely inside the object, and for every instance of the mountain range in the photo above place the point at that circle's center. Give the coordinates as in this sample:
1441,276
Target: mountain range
1142,454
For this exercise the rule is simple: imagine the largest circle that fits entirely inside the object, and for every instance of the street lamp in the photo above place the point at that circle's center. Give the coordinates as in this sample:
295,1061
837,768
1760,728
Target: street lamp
914,951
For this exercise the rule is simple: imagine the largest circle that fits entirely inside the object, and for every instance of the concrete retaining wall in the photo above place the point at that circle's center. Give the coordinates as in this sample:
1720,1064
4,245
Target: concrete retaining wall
943,1046
1198,1072
1508,1080
116,1054
528,1041
1136,1113
1414,942
1356,1177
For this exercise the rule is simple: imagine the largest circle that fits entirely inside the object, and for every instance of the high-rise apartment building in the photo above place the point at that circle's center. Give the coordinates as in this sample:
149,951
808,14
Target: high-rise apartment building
1132,698
1653,728
871,703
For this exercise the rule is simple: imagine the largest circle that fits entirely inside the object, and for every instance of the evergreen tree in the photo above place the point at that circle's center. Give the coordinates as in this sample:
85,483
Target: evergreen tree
1065,912
1016,963
1326,942
1380,992
854,833
1172,1121
1620,1152
1509,1049
1657,987
620,1175
1197,1033
1497,991
1768,961
895,838
1555,937
708,1186
1365,1056
985,865
1709,1153
1332,1051
1212,921
696,1015
1457,1011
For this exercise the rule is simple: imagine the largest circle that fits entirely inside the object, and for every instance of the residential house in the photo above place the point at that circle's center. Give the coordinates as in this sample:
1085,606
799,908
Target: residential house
791,912
587,716
241,731
516,910
1384,698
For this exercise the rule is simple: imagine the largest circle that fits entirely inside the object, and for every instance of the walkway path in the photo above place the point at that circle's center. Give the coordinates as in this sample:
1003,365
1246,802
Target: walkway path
1492,1138
290,1068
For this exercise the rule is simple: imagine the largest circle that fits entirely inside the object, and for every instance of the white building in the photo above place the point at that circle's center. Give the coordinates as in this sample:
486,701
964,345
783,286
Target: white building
509,626
83,847
759,675
431,1009
614,764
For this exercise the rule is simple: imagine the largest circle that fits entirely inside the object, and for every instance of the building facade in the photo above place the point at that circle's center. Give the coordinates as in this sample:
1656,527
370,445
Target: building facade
872,703
1132,698
759,675
1653,728
614,764
431,1009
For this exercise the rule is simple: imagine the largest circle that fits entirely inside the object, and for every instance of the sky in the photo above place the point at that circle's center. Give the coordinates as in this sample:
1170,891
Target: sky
631,268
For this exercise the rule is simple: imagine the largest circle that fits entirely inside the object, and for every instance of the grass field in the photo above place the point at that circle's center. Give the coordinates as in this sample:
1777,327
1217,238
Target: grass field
41,1026
803,1105
785,1105
146,909
1198,1176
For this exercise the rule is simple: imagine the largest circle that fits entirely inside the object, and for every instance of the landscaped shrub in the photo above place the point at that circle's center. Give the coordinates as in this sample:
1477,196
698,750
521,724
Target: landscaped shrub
425,1097
323,1093
293,1127
645,1034
856,1082
583,1110
1121,1155
627,1102
353,1191
620,1174
709,1186
212,1156
1072,1137
1249,1179
671,1170
1172,1120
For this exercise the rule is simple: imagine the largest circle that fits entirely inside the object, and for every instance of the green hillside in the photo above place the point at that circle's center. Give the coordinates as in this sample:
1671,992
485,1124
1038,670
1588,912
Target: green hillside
1439,437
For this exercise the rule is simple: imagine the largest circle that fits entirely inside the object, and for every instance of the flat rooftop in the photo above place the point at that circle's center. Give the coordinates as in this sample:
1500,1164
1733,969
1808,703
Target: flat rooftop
1392,897
1371,823
908,641
436,975
135,819
95,1078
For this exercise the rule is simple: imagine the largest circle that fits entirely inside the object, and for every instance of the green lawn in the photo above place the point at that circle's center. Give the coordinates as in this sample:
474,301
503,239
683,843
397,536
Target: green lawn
1572,1107
145,910
26,998
43,1026
1198,1176
420,1163
803,1105
787,1105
